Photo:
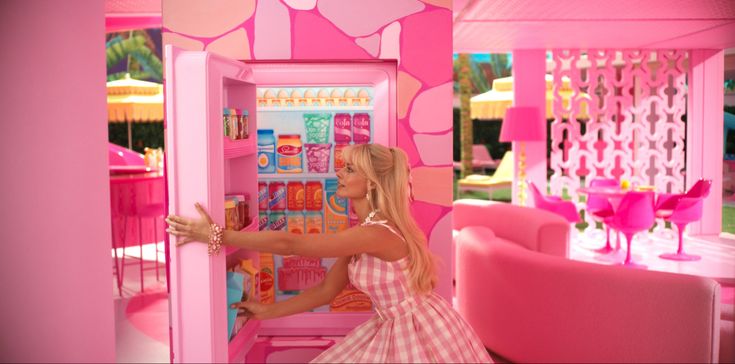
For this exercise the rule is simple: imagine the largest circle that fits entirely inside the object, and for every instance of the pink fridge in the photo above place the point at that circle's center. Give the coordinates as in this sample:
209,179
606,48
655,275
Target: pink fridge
258,144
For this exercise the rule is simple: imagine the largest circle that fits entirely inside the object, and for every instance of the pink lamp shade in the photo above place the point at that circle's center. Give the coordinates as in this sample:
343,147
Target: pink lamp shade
522,123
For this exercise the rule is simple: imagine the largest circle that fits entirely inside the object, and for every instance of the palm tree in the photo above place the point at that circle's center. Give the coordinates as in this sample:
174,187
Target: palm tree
500,64
138,50
465,92
479,79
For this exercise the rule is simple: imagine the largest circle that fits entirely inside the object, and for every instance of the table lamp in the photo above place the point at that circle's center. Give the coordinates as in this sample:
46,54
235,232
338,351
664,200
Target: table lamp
522,124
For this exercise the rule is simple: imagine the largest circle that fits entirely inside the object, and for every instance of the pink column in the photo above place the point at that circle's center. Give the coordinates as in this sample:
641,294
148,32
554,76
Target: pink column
704,133
529,89
55,266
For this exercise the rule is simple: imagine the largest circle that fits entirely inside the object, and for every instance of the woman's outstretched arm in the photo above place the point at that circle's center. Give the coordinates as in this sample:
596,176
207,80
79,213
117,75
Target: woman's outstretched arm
356,240
353,241
319,295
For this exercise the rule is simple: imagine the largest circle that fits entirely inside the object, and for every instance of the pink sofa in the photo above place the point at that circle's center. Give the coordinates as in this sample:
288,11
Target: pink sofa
533,307
533,229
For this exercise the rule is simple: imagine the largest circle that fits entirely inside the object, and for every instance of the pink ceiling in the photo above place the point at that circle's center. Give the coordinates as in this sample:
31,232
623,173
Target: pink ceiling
133,6
501,26
122,15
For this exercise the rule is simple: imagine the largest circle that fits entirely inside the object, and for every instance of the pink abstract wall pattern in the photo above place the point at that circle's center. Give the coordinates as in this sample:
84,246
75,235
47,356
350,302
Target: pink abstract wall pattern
636,100
415,33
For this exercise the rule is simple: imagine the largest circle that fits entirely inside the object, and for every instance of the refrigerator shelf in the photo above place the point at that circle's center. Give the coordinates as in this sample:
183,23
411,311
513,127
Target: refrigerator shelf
315,108
239,148
243,341
252,227
298,176
314,324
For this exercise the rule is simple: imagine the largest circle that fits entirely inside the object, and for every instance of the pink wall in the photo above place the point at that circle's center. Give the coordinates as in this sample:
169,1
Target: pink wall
416,33
55,265
704,134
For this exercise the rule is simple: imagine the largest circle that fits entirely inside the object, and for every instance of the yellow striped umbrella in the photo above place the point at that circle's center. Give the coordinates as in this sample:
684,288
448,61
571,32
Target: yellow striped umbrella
130,100
492,104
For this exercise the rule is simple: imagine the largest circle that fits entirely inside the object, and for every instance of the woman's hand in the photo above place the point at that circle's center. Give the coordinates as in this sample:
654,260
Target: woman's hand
188,230
254,310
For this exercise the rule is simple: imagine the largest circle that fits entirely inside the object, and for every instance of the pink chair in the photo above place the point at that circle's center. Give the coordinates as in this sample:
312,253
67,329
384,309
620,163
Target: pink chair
481,159
700,189
565,209
635,214
666,202
601,210
681,210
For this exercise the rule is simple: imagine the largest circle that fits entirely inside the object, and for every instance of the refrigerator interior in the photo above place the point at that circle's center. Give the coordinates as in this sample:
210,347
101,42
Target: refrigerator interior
290,95
320,158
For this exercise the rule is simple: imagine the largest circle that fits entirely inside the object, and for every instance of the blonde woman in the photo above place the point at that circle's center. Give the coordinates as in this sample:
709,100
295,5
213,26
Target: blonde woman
386,257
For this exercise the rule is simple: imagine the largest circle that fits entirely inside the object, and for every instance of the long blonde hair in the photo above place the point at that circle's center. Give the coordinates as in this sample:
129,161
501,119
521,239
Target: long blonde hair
388,170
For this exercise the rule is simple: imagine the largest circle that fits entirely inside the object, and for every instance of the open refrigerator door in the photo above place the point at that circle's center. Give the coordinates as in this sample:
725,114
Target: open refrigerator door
258,144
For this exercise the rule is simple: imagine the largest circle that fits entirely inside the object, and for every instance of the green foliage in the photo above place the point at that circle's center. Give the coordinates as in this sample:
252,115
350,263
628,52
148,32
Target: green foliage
143,63
501,64
477,76
728,219
481,78
138,75
143,135
149,61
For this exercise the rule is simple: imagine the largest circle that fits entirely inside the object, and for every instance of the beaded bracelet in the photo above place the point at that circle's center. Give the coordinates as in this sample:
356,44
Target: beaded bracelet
215,239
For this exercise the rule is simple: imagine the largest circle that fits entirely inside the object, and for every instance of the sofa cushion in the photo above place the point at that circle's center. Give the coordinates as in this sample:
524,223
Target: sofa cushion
534,229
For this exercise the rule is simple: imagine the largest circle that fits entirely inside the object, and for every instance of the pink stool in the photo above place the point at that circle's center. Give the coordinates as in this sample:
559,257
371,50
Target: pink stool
138,197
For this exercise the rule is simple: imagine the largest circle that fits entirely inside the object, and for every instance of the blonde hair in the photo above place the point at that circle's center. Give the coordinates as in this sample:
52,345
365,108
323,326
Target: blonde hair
388,170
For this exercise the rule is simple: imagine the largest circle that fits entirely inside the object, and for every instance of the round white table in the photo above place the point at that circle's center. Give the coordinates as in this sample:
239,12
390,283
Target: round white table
718,256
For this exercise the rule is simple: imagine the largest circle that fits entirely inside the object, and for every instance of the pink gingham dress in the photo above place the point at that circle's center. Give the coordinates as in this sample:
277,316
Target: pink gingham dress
407,328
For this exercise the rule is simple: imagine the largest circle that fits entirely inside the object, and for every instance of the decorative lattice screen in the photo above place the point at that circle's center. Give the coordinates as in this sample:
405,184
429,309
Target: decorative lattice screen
624,119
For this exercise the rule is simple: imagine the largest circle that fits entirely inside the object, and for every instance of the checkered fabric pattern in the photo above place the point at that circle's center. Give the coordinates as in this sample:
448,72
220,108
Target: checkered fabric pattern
407,328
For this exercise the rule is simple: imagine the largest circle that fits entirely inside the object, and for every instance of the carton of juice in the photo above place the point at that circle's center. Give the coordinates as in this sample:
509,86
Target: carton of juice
336,216
295,222
265,278
249,286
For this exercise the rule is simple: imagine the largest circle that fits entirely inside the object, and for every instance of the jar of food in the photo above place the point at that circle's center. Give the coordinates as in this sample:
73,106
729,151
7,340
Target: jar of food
244,122
288,154
243,208
266,151
232,219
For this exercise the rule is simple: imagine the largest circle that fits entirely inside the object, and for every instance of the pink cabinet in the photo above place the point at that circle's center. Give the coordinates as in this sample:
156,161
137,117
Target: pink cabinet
204,165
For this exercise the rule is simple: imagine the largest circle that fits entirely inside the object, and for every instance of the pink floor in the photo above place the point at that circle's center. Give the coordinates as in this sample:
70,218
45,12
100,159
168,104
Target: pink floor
142,318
